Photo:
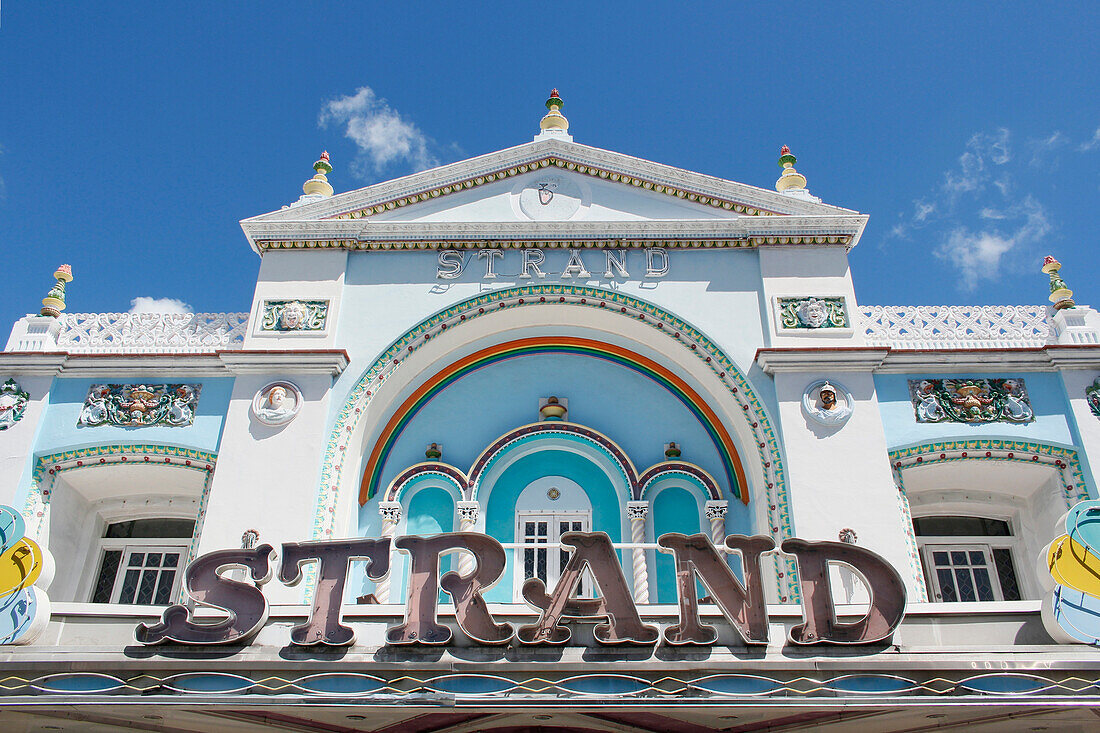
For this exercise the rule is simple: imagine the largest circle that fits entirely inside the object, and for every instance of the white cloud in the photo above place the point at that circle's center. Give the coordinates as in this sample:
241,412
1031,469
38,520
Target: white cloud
983,150
145,304
382,135
1091,144
1043,151
981,255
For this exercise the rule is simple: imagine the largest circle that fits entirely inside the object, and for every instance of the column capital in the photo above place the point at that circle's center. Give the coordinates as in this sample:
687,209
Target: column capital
390,511
468,511
637,510
716,509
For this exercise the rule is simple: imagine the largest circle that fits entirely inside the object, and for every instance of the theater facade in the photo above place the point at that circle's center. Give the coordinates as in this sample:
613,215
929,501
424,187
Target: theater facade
549,439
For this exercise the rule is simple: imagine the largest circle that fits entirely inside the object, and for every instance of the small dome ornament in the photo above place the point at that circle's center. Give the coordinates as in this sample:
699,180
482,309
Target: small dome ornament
433,452
1060,295
672,450
54,302
790,179
319,185
554,120
553,410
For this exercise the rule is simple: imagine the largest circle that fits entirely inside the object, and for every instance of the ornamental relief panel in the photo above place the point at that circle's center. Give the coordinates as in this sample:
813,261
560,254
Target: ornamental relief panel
294,315
1092,396
970,400
140,405
13,403
812,312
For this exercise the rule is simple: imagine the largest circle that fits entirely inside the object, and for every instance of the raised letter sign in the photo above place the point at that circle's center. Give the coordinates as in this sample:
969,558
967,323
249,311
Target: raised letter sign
575,266
616,262
594,550
656,262
421,622
489,255
532,258
244,602
821,626
743,605
450,264
323,626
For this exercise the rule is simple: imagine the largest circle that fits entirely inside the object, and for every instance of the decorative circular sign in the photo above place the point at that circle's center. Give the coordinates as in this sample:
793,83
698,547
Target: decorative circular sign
550,197
277,404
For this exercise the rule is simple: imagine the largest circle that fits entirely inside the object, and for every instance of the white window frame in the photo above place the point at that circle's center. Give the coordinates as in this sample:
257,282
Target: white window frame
553,541
129,546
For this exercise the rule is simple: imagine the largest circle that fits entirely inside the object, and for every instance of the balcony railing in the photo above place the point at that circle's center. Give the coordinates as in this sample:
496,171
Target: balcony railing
184,333
957,326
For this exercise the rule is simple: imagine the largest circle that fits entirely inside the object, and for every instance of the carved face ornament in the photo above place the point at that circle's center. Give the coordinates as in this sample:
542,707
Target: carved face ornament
294,314
812,312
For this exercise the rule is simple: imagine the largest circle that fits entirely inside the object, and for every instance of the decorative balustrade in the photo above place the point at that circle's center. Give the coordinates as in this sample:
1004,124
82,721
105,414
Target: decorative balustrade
183,333
957,326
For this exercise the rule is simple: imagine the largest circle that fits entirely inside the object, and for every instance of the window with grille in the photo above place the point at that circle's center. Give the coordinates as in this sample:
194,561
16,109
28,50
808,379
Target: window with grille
968,558
141,561
542,556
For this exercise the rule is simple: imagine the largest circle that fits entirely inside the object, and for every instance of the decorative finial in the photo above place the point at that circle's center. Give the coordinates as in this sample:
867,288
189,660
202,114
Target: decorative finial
433,452
1060,295
672,450
790,178
319,185
554,119
54,302
552,409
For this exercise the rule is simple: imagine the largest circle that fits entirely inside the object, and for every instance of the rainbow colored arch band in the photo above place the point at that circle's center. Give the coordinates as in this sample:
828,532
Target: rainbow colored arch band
735,472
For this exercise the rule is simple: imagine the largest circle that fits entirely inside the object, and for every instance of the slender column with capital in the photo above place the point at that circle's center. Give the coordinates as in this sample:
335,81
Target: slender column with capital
391,517
637,511
716,514
467,520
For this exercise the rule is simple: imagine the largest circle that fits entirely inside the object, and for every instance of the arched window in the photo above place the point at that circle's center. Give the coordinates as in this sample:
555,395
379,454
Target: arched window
968,558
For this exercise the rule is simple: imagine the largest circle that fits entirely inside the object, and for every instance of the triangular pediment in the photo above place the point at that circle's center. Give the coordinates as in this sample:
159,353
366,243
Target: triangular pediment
491,186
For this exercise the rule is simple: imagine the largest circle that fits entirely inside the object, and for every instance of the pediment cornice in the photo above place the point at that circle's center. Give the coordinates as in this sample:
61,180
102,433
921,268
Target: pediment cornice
582,159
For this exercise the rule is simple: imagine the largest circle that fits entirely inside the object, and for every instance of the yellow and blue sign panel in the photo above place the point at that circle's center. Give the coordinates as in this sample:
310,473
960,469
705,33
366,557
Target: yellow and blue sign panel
1074,562
25,569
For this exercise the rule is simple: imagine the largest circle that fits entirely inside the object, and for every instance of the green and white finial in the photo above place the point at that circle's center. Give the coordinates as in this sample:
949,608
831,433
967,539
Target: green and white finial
790,178
1060,295
54,302
554,120
319,184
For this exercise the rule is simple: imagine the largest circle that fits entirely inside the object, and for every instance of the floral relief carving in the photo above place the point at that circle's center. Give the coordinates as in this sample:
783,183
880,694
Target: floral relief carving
812,313
13,403
140,405
294,315
1092,395
970,400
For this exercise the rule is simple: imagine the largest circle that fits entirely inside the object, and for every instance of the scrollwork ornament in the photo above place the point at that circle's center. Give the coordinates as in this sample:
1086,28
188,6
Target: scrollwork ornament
970,400
812,313
294,315
13,403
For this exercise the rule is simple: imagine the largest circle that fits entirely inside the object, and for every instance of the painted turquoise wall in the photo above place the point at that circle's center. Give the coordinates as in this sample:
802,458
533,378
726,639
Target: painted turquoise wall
674,510
608,506
432,511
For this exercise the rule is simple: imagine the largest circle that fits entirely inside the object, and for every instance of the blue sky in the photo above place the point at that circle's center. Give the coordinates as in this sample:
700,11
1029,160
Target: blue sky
133,138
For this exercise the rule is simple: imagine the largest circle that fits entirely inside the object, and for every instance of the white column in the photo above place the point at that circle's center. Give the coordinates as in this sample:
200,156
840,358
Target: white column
716,514
467,520
391,517
637,511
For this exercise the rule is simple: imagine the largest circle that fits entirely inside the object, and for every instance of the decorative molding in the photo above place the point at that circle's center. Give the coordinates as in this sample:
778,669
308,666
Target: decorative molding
832,414
293,315
740,392
13,403
637,511
957,326
468,512
811,313
970,401
277,403
716,509
1092,396
140,405
151,332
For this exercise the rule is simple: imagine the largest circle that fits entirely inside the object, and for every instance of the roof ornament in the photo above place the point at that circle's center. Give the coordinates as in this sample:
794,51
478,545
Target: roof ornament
54,302
554,123
790,180
319,185
1060,295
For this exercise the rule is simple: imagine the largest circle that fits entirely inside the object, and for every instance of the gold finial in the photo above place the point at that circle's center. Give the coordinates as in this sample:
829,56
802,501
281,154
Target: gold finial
790,178
1060,295
319,184
54,302
554,120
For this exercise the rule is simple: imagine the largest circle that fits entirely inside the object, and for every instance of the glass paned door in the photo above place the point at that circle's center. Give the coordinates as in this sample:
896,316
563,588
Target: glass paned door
543,558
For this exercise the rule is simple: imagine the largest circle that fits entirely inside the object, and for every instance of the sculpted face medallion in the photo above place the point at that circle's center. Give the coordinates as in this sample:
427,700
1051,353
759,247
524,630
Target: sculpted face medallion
550,197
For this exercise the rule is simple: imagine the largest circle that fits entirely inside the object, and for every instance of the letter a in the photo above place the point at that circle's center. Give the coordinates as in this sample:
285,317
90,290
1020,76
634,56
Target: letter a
594,550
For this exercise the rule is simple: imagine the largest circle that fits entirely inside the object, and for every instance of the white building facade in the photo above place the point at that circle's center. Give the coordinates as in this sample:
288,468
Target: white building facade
554,340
